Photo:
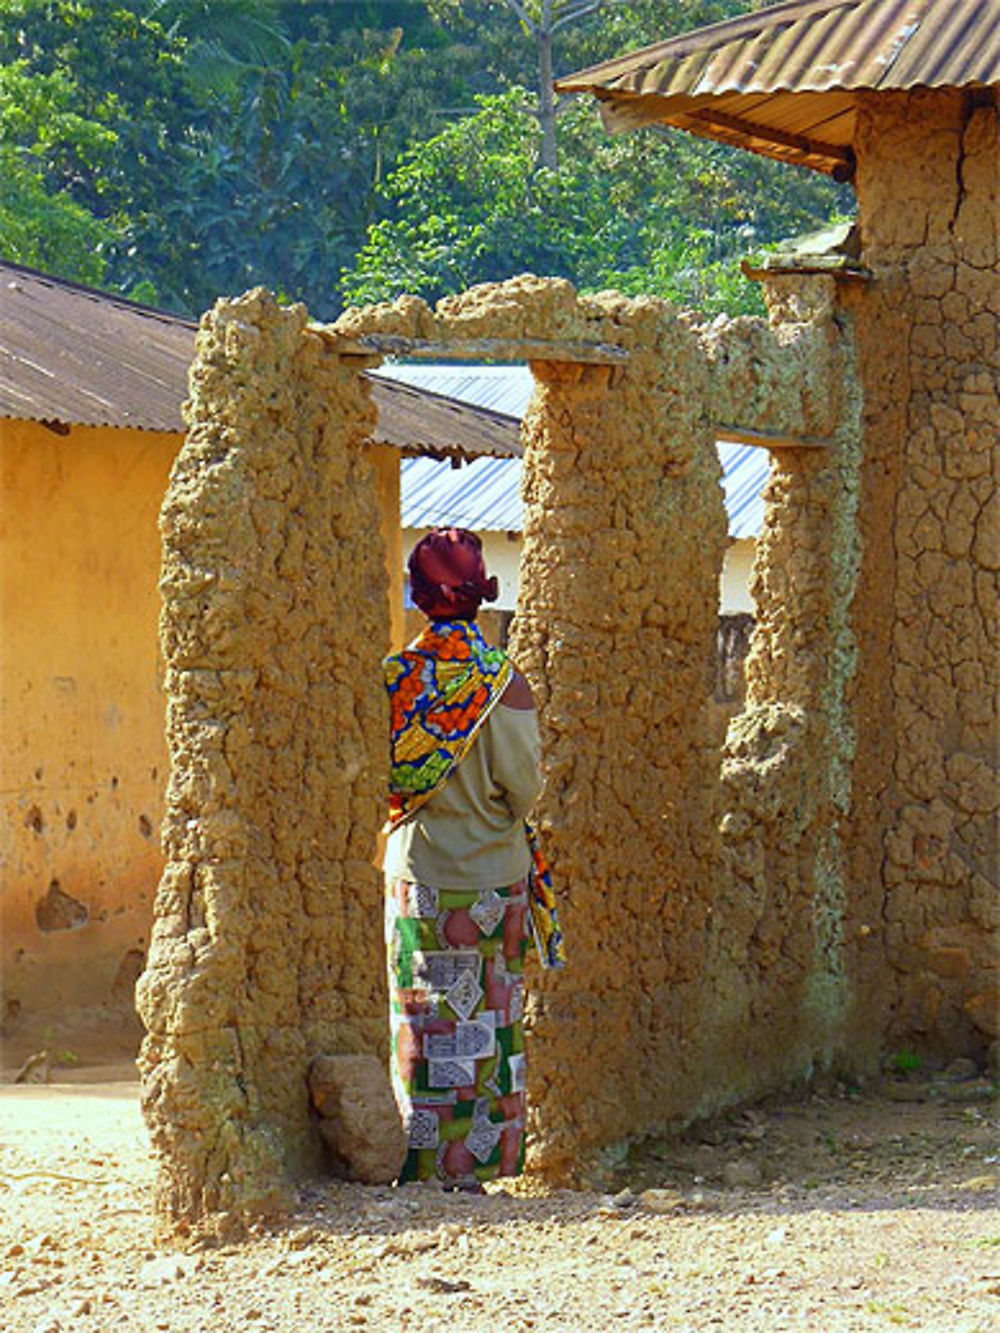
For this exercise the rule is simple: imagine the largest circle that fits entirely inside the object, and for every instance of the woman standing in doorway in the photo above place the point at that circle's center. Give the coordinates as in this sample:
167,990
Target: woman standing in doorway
460,876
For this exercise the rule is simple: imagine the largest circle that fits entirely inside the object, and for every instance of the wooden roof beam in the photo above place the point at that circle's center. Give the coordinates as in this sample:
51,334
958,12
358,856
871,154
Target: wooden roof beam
766,439
841,159
477,349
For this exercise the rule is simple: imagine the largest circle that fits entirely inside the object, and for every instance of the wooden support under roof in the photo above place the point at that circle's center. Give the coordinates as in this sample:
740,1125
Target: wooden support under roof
766,439
476,349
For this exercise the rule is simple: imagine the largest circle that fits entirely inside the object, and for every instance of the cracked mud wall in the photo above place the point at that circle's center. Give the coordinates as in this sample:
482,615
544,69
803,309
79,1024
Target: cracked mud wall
702,969
929,165
266,947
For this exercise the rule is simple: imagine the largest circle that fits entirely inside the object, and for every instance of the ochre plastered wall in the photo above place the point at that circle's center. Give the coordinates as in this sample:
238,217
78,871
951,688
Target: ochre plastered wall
929,165
267,947
83,759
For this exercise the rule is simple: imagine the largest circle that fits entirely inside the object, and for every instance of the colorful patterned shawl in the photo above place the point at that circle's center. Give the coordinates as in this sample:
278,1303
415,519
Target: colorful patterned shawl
442,688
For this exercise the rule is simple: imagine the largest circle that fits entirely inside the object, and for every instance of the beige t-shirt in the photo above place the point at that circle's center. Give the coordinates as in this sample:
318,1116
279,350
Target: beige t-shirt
470,834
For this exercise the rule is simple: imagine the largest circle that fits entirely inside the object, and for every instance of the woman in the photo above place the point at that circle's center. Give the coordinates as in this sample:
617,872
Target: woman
459,875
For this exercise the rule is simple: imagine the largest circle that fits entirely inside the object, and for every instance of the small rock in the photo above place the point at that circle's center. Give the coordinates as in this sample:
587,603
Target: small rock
960,1069
624,1199
776,1236
360,1120
741,1174
981,1183
421,1244
976,1090
443,1285
303,1237
661,1201
165,1268
35,1069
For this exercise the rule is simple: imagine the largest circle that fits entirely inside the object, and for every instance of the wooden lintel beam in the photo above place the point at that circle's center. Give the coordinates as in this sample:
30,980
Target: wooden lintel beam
765,439
478,349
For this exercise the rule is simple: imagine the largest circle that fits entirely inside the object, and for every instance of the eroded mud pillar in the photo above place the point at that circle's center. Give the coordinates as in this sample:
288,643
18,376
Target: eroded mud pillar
266,947
790,902
624,537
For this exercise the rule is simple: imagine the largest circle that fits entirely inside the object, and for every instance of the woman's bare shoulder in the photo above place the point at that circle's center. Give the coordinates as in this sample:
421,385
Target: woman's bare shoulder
518,693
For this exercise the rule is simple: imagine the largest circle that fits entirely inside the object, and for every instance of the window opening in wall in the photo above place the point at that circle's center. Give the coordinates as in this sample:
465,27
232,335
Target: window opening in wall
745,469
483,494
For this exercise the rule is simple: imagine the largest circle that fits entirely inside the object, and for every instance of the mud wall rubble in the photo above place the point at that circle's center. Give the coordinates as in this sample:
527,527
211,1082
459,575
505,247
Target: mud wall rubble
929,332
275,617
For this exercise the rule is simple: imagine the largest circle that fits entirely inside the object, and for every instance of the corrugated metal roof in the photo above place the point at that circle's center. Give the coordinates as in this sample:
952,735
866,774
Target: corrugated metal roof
78,356
781,81
745,469
485,495
438,425
73,355
506,389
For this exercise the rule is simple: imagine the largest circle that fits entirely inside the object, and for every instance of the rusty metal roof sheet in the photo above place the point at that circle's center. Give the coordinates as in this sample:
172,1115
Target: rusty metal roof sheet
781,81
72,355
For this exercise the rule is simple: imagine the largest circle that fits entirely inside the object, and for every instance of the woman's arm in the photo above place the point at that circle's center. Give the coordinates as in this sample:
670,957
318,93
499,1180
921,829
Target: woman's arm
516,748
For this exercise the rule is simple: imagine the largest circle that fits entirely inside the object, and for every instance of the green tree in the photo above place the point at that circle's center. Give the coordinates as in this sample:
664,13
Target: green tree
666,215
286,184
530,42
123,76
41,224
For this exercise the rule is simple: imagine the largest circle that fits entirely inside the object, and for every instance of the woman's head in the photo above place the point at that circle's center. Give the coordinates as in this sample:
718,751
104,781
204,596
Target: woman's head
447,575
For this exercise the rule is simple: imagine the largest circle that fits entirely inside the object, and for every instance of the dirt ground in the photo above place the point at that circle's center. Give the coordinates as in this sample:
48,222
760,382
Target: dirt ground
843,1211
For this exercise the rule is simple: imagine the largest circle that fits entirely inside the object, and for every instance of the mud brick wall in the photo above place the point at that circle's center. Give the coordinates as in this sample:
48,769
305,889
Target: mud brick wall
702,968
929,344
266,947
623,542
781,958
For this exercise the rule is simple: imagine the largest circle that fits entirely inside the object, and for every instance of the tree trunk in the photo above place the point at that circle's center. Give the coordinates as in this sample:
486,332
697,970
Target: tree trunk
547,156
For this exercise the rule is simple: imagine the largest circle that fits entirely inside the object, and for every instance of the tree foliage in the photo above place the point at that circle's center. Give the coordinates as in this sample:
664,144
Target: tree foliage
177,149
644,213
41,223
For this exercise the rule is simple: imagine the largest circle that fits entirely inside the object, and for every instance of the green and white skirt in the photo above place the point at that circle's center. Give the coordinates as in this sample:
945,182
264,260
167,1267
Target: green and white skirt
456,983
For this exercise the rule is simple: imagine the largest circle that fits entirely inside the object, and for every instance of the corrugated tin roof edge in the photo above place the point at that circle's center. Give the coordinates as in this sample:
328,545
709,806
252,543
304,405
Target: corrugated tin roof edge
97,294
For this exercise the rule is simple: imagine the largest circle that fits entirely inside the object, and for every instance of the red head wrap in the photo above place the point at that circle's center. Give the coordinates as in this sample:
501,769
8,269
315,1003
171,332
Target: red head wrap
447,575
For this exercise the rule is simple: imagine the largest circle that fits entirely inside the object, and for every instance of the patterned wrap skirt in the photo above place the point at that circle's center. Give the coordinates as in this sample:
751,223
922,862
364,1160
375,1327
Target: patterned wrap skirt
456,984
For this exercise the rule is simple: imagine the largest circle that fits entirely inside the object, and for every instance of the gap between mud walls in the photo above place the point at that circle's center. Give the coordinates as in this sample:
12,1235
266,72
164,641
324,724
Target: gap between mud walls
266,947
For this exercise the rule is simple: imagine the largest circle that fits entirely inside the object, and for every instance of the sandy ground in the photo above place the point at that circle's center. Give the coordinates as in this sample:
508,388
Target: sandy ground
842,1212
